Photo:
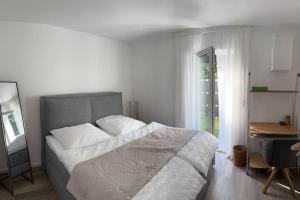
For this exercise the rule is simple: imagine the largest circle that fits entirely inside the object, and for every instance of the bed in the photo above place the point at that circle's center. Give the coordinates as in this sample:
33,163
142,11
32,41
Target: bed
68,110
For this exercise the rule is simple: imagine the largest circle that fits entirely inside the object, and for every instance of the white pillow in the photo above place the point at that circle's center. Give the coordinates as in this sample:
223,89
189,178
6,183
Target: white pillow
83,135
119,124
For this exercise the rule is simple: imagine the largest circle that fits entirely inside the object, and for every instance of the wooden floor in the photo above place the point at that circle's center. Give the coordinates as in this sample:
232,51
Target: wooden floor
25,190
228,183
232,183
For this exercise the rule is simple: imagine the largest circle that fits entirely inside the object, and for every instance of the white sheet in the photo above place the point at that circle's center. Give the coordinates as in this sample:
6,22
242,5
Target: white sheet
55,146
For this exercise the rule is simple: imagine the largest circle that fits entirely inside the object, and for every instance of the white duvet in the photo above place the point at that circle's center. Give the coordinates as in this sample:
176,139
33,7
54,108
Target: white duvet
181,178
198,152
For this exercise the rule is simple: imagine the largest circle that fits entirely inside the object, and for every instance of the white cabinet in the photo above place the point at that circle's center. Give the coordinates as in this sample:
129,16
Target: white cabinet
282,52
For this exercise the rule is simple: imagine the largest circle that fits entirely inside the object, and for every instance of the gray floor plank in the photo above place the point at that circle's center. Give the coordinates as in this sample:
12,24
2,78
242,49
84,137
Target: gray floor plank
232,183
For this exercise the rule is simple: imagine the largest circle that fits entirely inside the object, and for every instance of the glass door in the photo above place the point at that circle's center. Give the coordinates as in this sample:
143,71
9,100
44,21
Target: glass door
209,108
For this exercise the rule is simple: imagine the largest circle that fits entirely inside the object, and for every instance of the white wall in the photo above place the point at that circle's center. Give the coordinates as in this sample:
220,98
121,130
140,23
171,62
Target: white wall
153,64
47,60
266,106
50,60
154,74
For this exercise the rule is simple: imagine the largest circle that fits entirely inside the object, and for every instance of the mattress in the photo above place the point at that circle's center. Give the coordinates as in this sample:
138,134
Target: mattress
183,177
198,152
177,180
55,146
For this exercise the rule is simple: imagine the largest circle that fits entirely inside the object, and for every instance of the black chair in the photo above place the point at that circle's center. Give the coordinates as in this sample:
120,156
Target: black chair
279,155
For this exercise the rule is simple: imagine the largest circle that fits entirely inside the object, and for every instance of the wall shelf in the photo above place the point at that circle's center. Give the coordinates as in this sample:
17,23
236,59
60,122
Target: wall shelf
275,91
260,130
256,161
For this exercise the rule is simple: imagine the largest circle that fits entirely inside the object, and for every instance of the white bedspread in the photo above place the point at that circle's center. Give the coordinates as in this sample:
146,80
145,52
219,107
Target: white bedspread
178,179
199,151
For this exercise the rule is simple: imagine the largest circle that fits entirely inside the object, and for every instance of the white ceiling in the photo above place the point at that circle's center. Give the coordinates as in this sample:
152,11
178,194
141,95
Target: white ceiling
128,19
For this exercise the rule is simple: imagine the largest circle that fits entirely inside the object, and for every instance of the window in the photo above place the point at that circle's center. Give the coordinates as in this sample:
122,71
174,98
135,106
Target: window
11,128
13,124
209,79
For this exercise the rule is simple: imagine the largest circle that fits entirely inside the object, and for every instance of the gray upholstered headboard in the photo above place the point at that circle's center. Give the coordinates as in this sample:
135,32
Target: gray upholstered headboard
67,110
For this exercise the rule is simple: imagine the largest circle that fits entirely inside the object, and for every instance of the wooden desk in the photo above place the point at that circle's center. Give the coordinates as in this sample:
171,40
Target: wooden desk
272,129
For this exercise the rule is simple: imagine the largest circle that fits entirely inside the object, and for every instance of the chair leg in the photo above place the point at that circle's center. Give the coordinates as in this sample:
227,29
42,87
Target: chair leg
287,176
271,177
269,171
290,173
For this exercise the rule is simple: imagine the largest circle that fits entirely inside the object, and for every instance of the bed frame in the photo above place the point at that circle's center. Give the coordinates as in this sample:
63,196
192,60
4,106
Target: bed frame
67,110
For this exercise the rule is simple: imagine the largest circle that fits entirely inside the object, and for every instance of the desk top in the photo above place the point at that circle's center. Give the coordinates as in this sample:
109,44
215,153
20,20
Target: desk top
272,129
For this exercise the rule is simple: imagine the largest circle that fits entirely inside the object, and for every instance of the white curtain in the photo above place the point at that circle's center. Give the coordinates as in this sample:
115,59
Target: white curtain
188,83
232,49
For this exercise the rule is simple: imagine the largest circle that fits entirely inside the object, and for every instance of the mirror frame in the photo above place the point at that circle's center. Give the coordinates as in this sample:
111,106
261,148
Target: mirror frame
10,187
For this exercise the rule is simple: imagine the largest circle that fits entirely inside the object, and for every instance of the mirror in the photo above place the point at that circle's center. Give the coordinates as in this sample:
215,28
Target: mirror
13,132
